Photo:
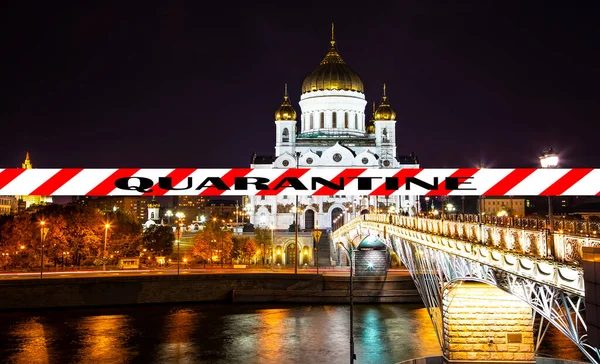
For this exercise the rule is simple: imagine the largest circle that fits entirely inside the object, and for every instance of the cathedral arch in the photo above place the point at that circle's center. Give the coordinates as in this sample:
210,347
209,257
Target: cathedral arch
309,219
335,212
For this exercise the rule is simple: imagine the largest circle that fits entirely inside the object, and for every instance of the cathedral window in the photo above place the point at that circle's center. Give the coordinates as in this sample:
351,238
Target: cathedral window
285,135
334,120
322,120
346,120
356,120
311,121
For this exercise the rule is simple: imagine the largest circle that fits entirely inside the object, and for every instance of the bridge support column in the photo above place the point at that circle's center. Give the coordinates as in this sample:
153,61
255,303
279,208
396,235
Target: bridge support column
484,324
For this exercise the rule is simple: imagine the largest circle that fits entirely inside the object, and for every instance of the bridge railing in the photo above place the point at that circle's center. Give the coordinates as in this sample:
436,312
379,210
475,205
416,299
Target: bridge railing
560,223
528,237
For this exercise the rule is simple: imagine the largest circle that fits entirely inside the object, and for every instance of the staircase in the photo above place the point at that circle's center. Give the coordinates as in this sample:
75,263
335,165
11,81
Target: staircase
325,249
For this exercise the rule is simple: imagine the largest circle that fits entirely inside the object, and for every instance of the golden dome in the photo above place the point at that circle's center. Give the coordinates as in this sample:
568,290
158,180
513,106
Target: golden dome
285,111
385,111
332,74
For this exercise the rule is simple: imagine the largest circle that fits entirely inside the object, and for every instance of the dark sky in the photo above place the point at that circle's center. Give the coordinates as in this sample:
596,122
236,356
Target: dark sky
195,84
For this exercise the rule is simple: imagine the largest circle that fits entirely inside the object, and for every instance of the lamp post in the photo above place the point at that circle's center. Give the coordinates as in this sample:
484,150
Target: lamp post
480,209
272,247
237,206
169,213
180,216
296,223
106,226
43,232
317,237
352,355
549,159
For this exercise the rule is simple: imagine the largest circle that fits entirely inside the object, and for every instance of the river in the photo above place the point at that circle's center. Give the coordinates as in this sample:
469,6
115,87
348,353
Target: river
227,333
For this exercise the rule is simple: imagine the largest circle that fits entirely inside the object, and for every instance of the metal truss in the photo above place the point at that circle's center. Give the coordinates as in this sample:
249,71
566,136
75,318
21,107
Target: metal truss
435,272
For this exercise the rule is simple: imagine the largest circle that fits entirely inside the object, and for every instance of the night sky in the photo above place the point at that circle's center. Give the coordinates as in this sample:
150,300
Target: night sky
195,84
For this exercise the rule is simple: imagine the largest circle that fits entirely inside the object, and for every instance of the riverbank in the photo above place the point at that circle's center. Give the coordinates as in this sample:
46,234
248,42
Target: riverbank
233,287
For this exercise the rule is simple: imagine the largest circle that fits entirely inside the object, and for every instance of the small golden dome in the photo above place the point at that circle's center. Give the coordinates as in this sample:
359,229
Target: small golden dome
285,111
332,74
385,111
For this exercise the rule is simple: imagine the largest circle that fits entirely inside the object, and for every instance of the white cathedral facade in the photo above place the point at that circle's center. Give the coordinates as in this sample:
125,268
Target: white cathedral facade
332,131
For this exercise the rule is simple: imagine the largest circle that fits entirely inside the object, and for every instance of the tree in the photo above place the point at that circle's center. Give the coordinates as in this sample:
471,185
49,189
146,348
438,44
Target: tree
263,239
125,234
202,247
243,248
84,231
214,236
18,238
159,239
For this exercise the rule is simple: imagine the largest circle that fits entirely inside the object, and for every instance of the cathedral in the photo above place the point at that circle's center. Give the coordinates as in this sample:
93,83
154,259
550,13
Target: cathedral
331,130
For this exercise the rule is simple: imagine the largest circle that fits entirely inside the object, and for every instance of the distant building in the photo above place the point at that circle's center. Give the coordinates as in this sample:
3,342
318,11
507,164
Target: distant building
512,206
24,202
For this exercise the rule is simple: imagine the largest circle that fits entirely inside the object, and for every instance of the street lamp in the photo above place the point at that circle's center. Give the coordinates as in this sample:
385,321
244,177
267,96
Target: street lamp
169,213
180,216
296,223
43,232
106,226
352,355
237,215
272,247
549,159
480,208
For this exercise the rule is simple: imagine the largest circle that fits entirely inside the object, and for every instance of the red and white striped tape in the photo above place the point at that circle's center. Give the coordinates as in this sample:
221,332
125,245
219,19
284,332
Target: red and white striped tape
301,181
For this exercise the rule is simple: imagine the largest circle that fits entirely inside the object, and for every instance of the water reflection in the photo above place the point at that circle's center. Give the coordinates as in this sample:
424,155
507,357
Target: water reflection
104,338
179,332
227,333
30,338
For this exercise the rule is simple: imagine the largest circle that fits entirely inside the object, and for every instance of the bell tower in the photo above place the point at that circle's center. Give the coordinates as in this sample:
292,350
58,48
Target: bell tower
285,127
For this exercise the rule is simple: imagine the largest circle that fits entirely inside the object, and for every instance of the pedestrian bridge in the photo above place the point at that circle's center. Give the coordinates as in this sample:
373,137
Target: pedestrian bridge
457,261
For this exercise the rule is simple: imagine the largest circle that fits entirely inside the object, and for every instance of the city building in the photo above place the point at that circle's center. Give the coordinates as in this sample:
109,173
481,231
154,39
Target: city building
222,209
504,206
331,130
7,205
24,202
192,206
136,205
